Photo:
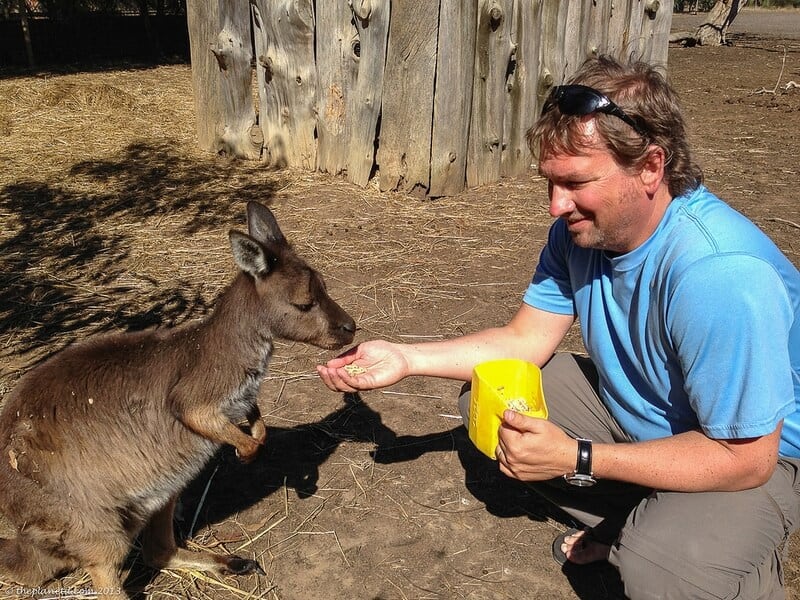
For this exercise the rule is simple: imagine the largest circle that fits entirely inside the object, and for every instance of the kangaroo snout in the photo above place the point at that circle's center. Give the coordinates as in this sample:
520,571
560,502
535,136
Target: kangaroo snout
348,331
342,331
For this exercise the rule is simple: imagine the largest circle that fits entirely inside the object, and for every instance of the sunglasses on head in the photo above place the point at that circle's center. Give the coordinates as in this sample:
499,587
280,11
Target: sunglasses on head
581,100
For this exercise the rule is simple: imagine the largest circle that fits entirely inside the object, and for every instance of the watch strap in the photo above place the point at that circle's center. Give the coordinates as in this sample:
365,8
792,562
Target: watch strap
584,464
582,476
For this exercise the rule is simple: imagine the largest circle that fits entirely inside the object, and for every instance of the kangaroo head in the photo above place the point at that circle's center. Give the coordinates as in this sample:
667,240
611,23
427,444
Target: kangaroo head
291,294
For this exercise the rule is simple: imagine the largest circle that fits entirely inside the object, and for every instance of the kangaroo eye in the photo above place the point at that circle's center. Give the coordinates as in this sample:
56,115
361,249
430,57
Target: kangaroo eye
304,307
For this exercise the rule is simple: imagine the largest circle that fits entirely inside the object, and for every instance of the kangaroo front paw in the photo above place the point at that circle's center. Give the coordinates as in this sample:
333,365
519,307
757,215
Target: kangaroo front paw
247,453
259,431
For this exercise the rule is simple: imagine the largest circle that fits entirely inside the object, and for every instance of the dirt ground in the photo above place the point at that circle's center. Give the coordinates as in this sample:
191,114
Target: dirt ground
110,218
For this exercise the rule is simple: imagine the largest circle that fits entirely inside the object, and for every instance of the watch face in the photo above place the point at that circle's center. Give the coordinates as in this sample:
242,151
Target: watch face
580,480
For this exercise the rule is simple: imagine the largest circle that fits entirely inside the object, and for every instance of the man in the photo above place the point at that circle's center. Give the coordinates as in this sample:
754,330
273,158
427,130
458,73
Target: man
685,414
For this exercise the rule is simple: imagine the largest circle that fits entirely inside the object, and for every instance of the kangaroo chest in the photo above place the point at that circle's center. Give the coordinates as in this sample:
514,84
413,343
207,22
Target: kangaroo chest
241,400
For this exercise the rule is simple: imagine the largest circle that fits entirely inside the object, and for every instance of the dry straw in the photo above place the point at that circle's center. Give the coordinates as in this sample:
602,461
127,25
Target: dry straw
112,219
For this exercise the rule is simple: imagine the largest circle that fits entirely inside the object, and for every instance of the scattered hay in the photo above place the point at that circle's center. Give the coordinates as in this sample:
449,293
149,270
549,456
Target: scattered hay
122,222
112,219
80,96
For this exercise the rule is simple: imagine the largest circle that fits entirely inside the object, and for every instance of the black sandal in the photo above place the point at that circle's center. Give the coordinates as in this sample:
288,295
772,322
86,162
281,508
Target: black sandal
589,536
558,553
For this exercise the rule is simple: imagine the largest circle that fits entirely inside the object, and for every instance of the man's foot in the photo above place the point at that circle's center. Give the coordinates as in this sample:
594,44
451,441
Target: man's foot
579,547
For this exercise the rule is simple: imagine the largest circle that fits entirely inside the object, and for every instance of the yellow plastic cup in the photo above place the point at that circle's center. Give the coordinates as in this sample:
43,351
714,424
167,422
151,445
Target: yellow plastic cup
499,385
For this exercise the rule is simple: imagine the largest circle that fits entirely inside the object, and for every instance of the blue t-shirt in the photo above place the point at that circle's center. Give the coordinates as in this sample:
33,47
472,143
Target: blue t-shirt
699,327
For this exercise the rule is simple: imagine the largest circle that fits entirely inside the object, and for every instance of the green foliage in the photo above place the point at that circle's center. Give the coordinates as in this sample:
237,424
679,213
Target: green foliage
706,5
64,8
780,3
696,5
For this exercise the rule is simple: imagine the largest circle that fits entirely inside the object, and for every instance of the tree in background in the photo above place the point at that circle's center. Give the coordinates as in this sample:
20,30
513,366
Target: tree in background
721,13
713,31
715,26
22,7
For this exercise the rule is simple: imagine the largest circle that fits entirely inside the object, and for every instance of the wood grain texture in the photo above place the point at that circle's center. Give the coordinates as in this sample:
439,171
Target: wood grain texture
337,68
493,50
404,154
655,33
221,54
452,102
522,104
351,52
371,19
434,95
283,32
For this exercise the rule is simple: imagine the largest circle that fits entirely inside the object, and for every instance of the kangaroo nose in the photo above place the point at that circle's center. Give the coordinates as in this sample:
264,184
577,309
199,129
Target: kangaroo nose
349,326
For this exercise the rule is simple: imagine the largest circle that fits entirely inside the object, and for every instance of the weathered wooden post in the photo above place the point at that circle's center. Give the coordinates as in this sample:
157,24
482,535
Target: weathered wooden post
283,34
351,52
655,32
404,154
219,32
522,88
493,50
435,95
452,101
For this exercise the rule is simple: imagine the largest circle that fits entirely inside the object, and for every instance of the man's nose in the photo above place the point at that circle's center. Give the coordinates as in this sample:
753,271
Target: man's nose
561,202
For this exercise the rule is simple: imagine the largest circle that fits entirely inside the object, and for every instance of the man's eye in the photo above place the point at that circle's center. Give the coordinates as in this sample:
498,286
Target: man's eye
566,185
304,307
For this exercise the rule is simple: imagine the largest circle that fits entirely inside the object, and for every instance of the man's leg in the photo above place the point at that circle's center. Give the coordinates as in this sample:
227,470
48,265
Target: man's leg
672,545
712,544
570,391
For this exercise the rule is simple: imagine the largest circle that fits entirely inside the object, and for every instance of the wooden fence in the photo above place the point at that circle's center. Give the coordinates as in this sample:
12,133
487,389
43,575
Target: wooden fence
426,95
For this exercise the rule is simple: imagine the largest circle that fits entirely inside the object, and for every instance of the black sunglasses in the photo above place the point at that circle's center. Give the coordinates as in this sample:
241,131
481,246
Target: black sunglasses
581,100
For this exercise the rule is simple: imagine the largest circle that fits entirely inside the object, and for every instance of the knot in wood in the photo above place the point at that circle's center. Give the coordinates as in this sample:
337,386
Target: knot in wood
546,80
361,8
220,55
495,17
265,63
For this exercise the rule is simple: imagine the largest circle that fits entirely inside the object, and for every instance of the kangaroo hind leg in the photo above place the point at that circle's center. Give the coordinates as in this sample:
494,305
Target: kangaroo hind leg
106,581
161,552
102,554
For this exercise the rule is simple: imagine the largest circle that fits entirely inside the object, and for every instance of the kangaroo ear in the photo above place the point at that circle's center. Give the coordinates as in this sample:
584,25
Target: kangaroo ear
262,225
251,256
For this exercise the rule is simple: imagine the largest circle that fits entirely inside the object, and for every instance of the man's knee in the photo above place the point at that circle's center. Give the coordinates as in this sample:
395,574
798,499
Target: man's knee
643,578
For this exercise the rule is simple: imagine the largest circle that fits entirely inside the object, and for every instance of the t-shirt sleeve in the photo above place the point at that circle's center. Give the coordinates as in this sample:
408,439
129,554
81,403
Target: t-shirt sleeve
729,319
551,287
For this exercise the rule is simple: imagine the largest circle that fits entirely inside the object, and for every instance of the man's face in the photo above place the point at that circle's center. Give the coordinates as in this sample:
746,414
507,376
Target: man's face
604,206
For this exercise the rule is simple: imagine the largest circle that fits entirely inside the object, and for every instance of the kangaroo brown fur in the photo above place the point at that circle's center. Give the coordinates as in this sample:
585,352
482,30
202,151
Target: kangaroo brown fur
97,443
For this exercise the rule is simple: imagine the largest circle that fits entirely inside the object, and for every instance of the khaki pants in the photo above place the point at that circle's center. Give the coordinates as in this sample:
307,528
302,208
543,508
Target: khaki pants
669,544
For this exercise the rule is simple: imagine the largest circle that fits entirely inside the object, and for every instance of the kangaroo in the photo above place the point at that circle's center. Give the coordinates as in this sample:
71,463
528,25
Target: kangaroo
97,442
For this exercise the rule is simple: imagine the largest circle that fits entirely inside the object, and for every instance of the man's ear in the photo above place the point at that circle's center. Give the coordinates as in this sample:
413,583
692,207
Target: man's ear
652,173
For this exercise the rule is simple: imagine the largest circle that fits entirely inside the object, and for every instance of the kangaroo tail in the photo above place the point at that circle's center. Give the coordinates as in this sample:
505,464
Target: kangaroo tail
36,554
29,564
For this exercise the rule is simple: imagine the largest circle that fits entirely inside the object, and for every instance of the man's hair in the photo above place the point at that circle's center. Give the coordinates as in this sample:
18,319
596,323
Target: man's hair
644,94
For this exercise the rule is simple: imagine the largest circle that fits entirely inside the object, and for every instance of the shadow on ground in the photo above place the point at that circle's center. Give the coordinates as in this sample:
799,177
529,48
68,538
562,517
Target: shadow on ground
294,456
63,255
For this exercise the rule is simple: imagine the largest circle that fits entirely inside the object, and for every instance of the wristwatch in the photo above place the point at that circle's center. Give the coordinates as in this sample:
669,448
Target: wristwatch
582,476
